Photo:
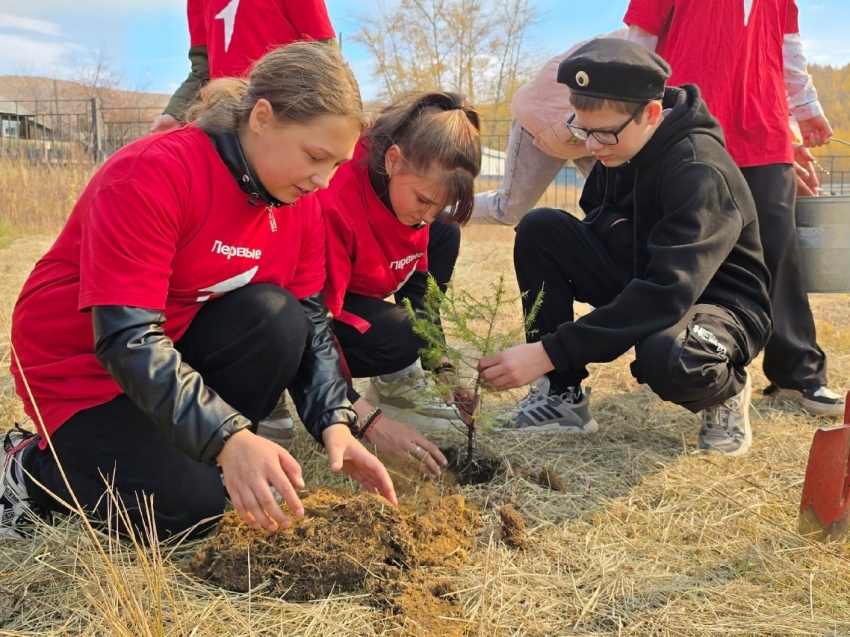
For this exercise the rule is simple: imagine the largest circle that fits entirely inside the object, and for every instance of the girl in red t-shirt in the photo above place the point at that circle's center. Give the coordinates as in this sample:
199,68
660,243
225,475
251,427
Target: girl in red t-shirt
392,217
182,297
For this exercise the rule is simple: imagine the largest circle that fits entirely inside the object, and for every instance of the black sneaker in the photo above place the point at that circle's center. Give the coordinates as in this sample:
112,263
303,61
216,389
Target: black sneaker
820,401
14,500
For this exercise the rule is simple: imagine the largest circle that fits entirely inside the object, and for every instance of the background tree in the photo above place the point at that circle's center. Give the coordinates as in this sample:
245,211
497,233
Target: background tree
475,47
833,85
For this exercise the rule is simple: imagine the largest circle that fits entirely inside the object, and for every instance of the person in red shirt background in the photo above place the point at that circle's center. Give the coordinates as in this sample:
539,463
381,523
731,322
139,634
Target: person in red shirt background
746,58
227,36
386,232
183,295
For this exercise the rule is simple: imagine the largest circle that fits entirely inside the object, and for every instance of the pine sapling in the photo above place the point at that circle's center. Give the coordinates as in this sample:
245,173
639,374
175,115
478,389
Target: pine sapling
460,328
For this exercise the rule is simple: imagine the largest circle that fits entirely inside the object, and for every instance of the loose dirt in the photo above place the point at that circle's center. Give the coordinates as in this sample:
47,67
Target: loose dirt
355,543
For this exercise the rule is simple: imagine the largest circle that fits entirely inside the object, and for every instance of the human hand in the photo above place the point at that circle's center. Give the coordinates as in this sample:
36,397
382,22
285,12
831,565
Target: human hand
400,441
459,396
804,167
347,454
250,466
514,367
816,131
163,123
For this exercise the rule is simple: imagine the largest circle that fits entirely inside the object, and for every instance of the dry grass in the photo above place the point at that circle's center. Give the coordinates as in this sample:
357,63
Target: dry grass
38,199
647,538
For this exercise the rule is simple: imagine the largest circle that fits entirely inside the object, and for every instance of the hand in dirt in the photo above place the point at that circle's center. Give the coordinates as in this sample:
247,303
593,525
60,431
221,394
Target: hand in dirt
250,466
804,167
347,454
514,367
400,441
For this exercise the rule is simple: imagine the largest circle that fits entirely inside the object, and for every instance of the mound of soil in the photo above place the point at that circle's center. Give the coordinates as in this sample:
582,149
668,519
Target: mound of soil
353,543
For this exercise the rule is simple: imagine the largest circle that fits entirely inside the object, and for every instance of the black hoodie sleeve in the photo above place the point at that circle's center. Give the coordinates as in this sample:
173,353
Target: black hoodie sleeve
320,389
699,226
131,344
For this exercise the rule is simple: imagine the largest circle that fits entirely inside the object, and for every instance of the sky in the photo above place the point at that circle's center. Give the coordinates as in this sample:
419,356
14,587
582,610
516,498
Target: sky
145,42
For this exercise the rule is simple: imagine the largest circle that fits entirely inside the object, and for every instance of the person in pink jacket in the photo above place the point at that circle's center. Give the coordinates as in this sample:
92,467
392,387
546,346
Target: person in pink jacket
539,146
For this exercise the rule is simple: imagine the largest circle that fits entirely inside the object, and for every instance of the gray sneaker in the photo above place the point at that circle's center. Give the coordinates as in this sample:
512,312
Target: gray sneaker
538,412
14,499
726,427
278,426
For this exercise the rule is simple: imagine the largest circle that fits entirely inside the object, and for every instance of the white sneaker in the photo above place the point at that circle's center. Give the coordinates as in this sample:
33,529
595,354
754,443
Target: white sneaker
278,426
14,499
412,399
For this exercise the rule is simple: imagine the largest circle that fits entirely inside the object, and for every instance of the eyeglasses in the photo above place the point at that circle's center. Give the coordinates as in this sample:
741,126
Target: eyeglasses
604,137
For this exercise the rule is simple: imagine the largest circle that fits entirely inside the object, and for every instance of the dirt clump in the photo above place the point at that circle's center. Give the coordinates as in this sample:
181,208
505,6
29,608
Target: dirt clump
417,605
352,542
549,478
513,527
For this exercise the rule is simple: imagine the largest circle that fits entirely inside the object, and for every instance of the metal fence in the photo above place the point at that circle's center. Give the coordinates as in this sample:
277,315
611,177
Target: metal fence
563,192
833,173
64,131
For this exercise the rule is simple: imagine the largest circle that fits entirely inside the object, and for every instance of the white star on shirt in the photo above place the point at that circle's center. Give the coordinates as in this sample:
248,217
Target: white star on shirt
228,16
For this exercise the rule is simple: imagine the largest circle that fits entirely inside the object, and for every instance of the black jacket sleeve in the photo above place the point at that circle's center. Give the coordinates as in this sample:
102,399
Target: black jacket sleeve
131,344
320,389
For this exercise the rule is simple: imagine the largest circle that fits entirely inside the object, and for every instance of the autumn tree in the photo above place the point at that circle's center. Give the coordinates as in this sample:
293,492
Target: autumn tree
475,47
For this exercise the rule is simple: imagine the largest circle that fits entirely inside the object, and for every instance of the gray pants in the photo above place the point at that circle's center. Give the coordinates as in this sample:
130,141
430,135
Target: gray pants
528,173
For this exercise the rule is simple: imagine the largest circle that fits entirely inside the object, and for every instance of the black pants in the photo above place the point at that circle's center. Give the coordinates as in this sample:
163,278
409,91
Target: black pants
390,344
697,362
247,345
792,358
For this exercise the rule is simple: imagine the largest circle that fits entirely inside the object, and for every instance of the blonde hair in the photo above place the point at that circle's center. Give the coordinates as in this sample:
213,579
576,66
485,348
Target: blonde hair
433,130
301,81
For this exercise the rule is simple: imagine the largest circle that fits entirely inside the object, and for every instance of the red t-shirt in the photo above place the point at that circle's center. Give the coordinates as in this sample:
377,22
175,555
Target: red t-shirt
237,33
732,50
162,225
369,251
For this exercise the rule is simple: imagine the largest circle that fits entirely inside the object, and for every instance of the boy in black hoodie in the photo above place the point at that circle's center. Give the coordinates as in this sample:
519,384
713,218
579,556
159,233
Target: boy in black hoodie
668,254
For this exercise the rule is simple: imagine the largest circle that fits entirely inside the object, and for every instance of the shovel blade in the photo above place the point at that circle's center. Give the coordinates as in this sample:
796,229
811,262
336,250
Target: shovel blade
824,503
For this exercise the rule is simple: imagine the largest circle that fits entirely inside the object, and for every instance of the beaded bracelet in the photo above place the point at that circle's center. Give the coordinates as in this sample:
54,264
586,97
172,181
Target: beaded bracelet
371,418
